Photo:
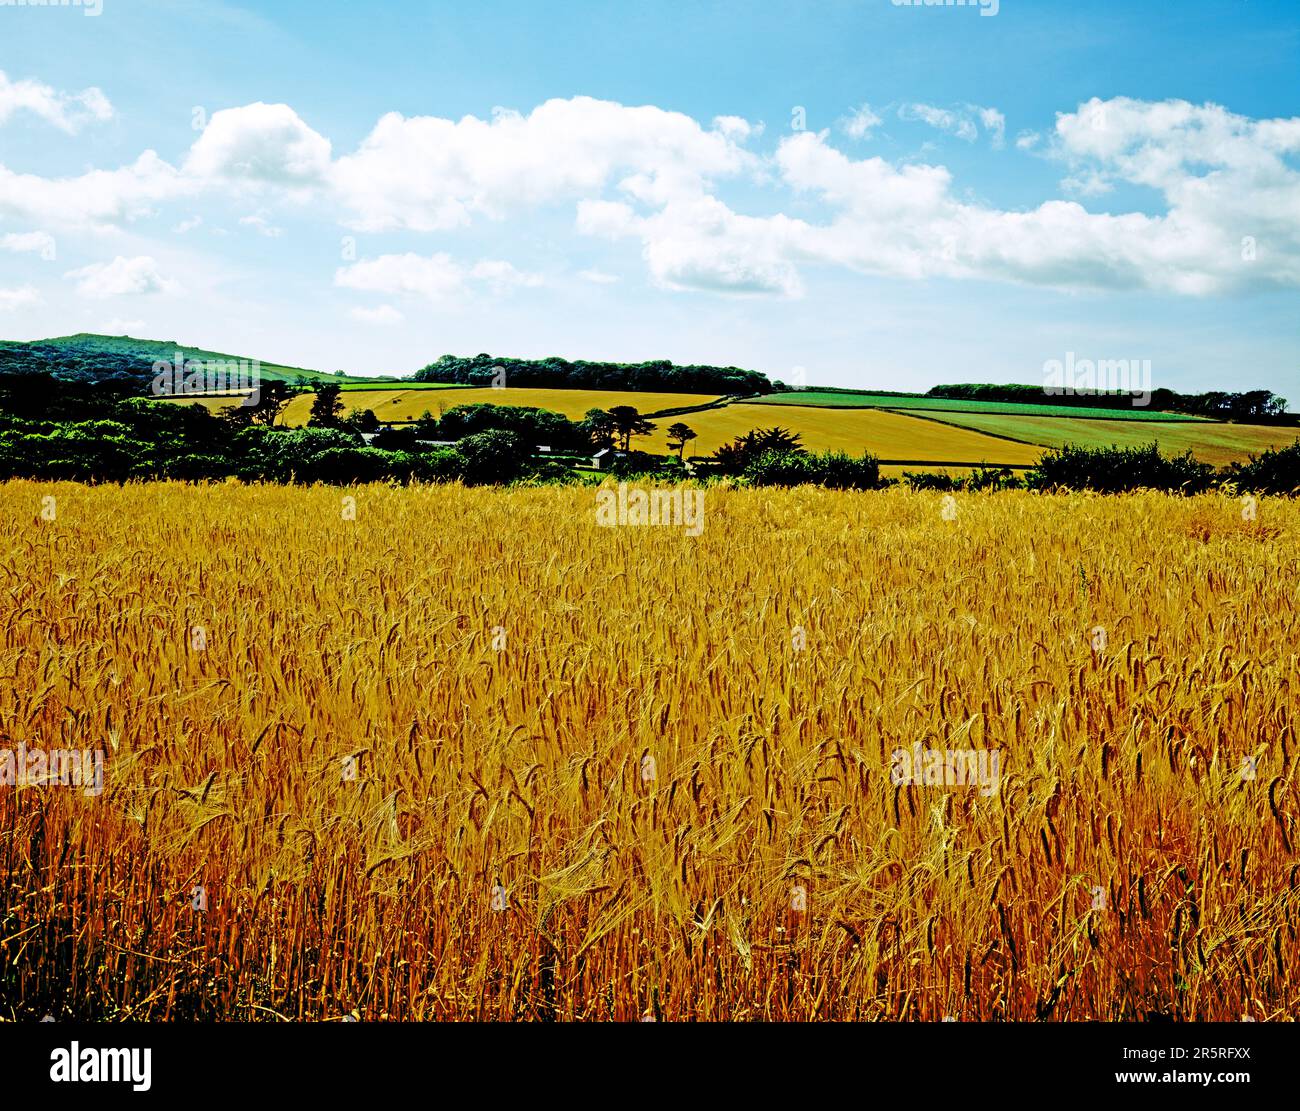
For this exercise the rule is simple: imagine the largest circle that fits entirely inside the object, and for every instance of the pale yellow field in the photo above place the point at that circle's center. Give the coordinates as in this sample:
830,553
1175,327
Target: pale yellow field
463,753
390,404
886,435
1211,442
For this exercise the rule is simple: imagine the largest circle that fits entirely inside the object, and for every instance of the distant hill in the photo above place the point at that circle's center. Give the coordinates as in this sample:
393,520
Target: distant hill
87,357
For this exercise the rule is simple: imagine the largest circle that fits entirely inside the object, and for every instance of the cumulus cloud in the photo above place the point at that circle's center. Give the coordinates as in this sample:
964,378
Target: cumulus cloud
98,198
123,277
260,145
427,174
702,244
69,112
654,176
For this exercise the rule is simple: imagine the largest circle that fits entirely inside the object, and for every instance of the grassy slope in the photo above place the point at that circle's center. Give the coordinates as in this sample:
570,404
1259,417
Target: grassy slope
1211,441
837,400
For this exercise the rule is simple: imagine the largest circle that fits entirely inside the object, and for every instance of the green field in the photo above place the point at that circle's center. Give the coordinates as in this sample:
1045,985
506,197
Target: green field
1211,441
834,399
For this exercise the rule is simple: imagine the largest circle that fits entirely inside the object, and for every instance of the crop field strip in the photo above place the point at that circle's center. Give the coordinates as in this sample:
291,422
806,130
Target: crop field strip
885,434
1212,441
834,400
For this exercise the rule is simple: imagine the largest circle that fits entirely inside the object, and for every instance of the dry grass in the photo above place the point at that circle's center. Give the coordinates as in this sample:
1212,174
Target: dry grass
373,637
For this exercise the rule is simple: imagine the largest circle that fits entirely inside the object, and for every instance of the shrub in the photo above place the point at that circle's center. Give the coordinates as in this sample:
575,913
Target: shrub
1277,471
832,469
1115,469
492,457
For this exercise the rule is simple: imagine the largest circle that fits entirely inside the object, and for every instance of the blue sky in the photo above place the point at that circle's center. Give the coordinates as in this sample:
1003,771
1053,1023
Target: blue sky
969,196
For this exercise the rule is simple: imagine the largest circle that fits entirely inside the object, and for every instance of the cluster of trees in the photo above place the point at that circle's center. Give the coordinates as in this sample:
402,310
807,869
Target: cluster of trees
50,428
777,457
556,373
74,430
74,363
1256,406
599,428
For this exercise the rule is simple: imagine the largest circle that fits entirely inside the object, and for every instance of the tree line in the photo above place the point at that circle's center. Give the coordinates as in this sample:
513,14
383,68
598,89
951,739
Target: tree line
556,373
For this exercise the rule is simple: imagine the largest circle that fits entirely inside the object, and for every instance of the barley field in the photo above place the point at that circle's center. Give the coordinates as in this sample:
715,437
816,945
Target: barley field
884,434
411,404
448,753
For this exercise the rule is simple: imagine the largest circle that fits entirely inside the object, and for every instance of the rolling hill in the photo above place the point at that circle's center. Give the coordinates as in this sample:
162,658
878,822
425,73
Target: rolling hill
89,357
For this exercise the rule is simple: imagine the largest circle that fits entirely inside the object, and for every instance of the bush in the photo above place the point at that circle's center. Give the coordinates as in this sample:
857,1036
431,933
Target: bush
1113,470
492,457
635,464
831,469
1274,472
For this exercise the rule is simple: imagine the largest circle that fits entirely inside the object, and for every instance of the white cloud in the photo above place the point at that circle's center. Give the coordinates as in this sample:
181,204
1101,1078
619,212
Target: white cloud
382,315
427,174
69,112
964,122
652,175
598,277
702,244
993,122
25,297
98,198
37,242
260,145
188,225
862,122
123,277
941,119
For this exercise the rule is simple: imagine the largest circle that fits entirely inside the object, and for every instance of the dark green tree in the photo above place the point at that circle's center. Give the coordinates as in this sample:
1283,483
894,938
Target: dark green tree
326,407
628,423
679,435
